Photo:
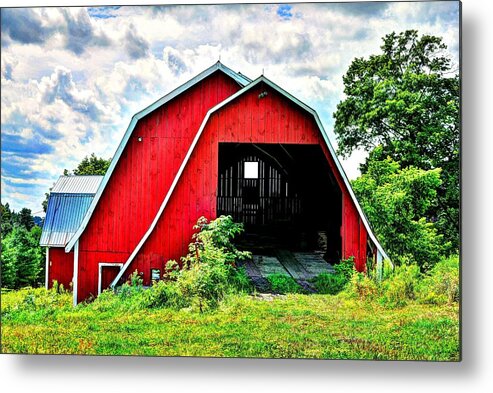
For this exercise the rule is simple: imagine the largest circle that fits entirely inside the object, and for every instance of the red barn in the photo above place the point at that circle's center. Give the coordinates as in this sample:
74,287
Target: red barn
219,144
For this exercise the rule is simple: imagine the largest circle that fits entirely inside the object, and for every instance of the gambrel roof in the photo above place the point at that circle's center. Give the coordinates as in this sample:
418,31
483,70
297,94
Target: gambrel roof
239,78
311,111
246,84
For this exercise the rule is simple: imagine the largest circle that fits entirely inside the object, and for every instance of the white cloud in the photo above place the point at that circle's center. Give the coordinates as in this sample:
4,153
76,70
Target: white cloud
72,89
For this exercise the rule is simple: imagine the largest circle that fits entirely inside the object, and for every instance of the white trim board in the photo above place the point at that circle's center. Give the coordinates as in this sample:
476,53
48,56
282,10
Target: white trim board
76,273
380,249
100,272
240,79
47,266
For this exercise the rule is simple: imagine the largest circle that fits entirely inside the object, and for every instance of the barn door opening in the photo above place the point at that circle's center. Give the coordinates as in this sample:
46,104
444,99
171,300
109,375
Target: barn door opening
107,273
285,195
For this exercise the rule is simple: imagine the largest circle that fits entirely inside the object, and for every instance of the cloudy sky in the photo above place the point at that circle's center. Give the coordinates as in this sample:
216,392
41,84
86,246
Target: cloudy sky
71,78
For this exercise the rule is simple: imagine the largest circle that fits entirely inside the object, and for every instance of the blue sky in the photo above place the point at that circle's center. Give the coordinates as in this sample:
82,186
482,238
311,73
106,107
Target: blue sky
71,78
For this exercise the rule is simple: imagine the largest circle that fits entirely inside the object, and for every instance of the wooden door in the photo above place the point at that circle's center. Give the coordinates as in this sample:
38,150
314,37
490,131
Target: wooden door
108,272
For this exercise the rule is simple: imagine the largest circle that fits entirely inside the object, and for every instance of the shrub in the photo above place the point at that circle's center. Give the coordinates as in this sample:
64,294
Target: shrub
333,283
171,270
329,283
34,303
207,275
401,286
282,283
204,284
133,285
441,285
362,286
165,294
209,271
345,268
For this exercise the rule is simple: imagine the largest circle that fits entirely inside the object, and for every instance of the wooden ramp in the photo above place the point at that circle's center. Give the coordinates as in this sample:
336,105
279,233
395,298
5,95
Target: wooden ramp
302,266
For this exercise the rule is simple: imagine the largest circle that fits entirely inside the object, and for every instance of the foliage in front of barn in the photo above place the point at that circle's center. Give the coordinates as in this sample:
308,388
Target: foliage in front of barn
208,273
333,283
346,326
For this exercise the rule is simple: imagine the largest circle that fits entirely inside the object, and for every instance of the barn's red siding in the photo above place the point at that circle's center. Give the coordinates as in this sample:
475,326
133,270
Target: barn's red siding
142,178
146,170
60,267
273,119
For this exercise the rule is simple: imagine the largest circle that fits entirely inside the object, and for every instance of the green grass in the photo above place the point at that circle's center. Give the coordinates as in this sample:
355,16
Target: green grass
291,326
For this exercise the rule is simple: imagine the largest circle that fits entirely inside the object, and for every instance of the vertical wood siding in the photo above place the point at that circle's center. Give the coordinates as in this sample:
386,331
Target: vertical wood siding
142,178
60,267
147,169
272,119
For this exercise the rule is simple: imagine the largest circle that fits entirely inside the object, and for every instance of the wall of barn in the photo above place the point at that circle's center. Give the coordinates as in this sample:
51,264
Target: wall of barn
60,267
143,176
249,119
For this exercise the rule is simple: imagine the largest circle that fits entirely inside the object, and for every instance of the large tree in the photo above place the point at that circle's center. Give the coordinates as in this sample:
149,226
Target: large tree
91,165
406,100
396,201
25,218
22,258
6,216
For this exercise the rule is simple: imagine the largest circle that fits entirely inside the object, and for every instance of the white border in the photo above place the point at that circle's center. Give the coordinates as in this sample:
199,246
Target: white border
47,266
100,272
76,273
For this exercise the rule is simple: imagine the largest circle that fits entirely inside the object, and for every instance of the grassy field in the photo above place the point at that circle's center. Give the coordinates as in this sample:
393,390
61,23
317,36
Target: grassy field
292,326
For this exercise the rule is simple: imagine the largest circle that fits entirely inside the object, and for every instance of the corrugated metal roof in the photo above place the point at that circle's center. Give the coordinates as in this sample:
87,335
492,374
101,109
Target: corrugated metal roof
63,216
77,184
69,200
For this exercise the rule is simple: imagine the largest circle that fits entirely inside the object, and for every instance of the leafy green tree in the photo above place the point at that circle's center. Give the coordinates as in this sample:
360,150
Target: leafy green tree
396,201
6,216
9,267
90,166
22,258
25,218
406,100
35,233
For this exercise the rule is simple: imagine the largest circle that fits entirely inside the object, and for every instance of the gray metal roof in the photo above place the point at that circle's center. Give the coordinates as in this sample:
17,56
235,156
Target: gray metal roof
77,184
69,200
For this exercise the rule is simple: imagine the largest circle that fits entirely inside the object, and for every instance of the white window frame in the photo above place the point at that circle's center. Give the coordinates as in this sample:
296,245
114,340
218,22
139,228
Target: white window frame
100,275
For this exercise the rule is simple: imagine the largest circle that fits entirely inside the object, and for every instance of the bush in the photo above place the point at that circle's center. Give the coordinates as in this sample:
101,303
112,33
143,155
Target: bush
362,286
165,295
34,303
282,283
171,270
209,271
345,268
133,286
207,275
204,284
333,283
329,283
441,285
401,287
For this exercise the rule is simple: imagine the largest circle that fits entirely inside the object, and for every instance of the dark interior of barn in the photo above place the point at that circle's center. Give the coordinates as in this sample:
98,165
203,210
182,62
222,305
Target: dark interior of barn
286,196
